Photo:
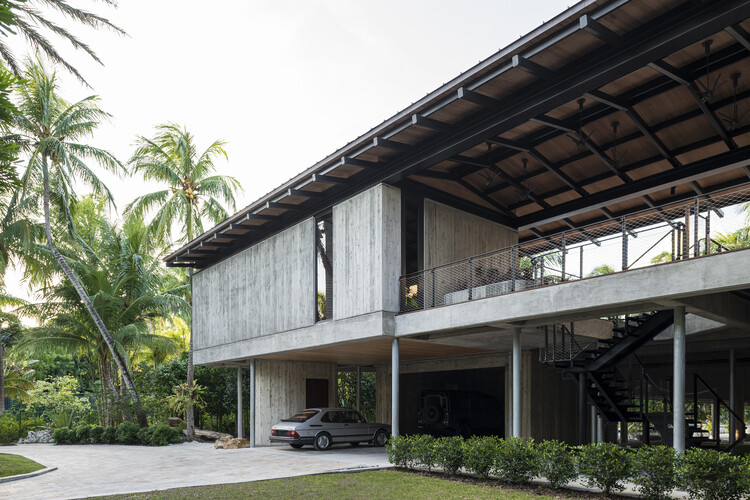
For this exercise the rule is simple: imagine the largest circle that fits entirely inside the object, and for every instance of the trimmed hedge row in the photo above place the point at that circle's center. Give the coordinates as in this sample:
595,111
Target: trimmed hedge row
126,433
655,470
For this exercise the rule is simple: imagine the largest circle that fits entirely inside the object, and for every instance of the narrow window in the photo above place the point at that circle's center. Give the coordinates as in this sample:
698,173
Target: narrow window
324,251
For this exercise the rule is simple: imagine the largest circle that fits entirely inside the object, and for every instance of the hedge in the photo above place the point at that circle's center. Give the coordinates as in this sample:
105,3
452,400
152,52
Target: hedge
126,433
654,470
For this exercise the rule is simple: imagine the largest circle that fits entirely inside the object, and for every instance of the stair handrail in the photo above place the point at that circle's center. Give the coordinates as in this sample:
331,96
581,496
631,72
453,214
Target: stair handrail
743,433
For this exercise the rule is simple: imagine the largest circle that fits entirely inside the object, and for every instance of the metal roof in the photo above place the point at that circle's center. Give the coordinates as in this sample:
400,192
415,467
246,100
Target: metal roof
534,136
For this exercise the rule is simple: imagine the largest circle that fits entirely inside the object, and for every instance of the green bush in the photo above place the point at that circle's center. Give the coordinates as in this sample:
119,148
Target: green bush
96,433
709,474
422,451
109,435
62,435
398,450
557,463
605,466
127,432
653,469
517,460
83,433
11,428
144,435
480,454
162,435
449,454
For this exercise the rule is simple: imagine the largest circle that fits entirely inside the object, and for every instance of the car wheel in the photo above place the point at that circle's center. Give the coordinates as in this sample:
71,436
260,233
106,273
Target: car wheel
432,414
380,438
296,446
322,441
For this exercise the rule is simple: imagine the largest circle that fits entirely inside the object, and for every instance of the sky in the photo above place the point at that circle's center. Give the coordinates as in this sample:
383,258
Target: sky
284,83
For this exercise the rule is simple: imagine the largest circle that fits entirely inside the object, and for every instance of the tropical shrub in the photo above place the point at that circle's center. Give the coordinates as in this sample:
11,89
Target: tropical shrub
711,475
163,435
57,397
449,454
127,432
63,435
480,454
95,433
422,450
109,435
144,435
517,460
653,469
83,434
12,428
398,449
557,463
604,465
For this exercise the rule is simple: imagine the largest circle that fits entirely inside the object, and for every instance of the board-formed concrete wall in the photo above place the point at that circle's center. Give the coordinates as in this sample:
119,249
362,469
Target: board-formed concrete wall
367,252
264,289
451,234
280,391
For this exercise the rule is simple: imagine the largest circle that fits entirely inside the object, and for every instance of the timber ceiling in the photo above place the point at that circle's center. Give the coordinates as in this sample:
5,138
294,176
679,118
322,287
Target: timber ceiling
611,108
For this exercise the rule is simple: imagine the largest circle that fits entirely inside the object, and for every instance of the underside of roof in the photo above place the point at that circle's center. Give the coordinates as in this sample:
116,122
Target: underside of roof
609,109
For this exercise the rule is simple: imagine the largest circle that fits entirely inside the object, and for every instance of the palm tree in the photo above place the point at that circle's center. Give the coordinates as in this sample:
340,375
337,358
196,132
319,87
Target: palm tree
130,291
193,194
50,130
27,19
601,270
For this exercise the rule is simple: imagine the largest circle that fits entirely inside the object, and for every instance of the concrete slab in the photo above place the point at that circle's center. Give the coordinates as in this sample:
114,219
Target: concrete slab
94,470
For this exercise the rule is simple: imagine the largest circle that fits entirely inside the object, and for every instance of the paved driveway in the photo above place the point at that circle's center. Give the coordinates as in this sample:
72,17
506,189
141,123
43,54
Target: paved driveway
91,470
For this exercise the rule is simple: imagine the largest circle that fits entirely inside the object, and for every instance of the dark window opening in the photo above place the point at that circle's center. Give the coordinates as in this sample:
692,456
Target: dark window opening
324,269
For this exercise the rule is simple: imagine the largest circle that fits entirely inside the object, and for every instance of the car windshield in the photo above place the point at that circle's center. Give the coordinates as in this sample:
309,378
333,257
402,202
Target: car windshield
303,416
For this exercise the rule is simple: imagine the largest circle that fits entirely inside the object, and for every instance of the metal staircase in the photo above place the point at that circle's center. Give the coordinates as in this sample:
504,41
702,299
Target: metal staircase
610,390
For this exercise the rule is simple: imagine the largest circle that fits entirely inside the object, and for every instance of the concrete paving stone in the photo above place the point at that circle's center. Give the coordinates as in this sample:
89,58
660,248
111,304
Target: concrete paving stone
94,470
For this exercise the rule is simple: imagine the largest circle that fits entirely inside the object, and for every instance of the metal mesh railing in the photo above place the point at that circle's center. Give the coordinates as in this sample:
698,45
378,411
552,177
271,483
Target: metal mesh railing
667,233
562,345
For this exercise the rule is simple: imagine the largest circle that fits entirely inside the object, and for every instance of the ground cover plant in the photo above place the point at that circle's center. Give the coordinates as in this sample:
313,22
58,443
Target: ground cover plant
11,465
125,433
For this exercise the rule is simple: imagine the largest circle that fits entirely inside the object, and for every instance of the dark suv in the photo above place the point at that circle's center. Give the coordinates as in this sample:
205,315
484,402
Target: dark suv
450,413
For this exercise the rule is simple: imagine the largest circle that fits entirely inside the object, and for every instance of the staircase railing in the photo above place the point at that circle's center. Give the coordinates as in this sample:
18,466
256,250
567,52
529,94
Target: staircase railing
562,345
697,379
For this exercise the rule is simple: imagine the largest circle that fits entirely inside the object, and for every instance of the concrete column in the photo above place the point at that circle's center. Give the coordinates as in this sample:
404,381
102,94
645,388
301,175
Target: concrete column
599,429
239,403
582,402
359,388
252,403
394,388
679,380
732,394
516,382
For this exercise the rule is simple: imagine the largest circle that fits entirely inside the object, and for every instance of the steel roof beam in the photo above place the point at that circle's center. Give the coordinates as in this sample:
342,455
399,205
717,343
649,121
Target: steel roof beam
477,98
327,179
594,27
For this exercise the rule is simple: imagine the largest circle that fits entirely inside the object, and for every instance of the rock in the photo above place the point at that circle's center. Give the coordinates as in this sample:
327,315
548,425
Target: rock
175,421
41,436
231,443
209,436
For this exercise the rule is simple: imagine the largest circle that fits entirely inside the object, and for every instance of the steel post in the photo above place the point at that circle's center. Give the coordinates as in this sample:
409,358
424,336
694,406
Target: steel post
678,400
582,408
252,403
394,388
239,403
516,382
732,394
359,388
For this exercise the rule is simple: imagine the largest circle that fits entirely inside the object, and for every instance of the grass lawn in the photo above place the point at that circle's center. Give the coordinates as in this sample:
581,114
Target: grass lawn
10,465
384,484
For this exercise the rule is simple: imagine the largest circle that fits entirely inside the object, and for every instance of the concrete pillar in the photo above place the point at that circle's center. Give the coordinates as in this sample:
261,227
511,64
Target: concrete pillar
239,403
732,394
678,376
517,363
252,403
359,388
599,429
582,403
394,388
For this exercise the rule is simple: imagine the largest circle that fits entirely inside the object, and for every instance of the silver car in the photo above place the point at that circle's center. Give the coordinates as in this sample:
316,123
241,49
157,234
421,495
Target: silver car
322,427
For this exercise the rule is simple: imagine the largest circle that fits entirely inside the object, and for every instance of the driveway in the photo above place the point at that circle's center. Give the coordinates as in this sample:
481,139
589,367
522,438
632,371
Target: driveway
93,470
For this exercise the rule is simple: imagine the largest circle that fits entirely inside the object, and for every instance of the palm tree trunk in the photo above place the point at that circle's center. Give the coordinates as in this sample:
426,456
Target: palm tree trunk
89,305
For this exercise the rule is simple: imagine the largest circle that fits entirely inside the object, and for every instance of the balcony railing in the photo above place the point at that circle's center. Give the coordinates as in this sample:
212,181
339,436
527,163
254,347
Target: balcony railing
672,232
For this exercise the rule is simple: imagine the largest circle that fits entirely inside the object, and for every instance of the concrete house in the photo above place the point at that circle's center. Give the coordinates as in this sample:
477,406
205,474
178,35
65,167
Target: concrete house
541,229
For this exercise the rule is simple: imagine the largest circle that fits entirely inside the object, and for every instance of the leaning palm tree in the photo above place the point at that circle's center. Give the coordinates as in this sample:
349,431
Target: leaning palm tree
27,19
193,195
50,129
